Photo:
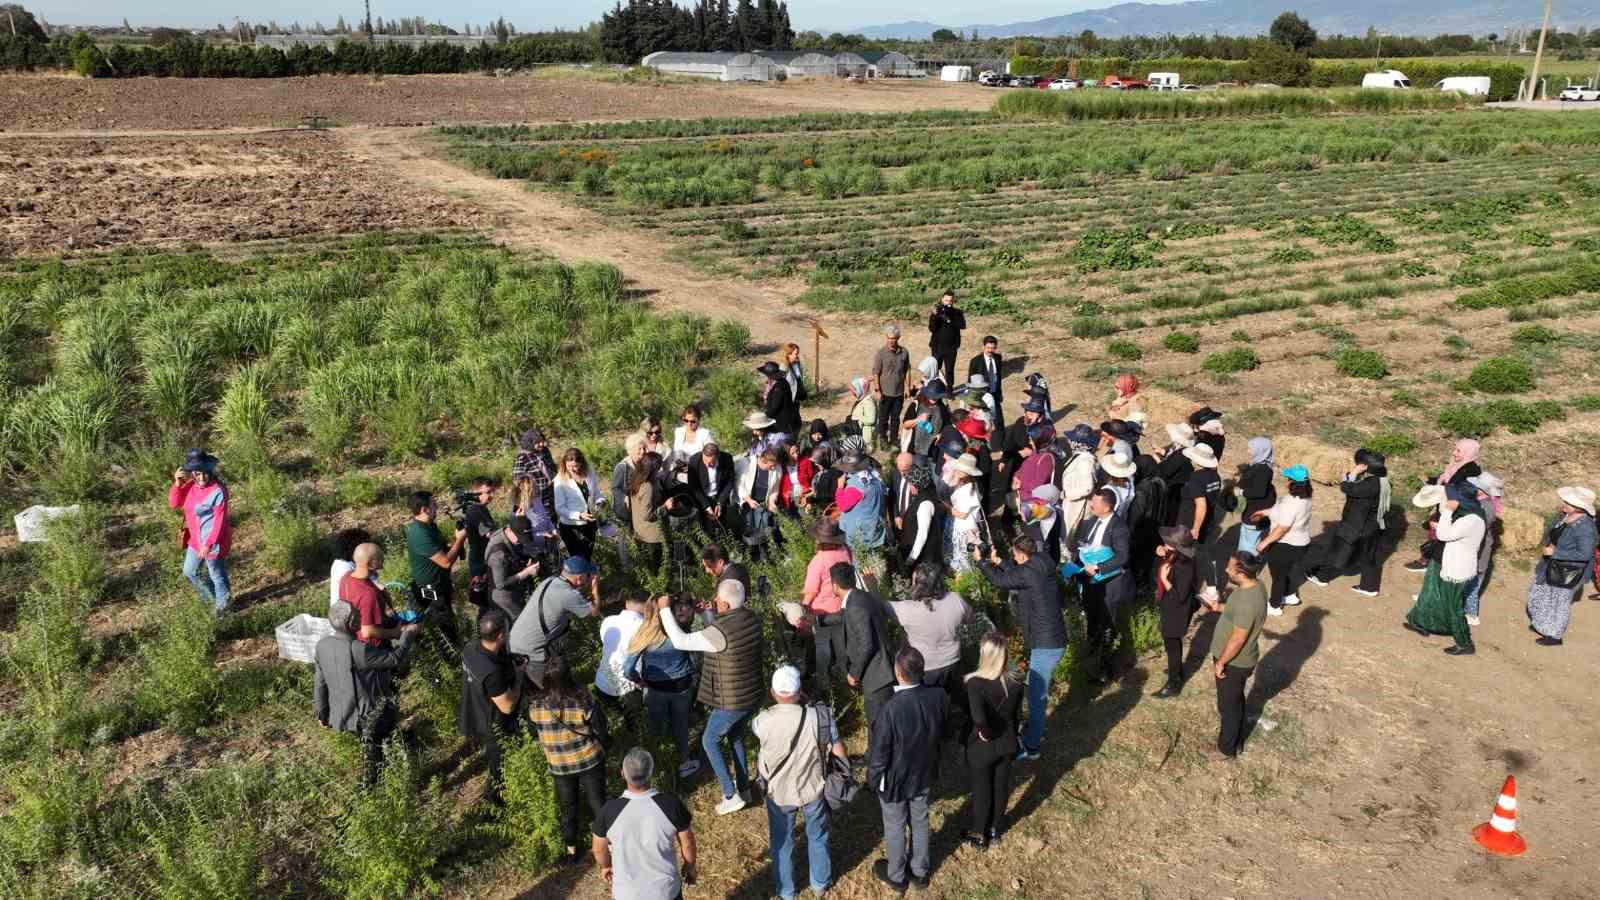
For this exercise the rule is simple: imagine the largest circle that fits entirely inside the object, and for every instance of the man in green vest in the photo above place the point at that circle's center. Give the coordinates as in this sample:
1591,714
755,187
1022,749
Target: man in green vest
731,684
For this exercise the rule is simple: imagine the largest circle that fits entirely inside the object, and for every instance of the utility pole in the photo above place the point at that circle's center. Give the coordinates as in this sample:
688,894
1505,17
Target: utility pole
12,18
1538,55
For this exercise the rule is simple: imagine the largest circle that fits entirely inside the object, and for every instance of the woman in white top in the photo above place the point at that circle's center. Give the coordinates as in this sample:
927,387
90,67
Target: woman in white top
577,501
1288,535
689,438
1438,608
344,549
966,511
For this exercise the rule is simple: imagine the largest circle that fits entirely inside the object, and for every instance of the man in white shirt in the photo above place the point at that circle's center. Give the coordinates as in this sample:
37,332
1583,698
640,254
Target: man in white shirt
616,631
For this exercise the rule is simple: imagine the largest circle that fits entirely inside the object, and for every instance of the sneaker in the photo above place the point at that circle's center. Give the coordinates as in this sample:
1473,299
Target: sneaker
1291,599
1025,755
1417,565
731,805
689,769
1364,593
880,871
1274,610
1474,621
975,841
1316,581
1544,641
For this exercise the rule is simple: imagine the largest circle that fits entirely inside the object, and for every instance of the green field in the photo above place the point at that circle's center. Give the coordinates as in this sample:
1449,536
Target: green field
1559,70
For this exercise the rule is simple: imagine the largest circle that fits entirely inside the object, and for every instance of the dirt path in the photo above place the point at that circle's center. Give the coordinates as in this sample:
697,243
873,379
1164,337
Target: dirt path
1385,752
541,222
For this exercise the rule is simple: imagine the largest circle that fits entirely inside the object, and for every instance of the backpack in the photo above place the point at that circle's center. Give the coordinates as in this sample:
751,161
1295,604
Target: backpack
1149,501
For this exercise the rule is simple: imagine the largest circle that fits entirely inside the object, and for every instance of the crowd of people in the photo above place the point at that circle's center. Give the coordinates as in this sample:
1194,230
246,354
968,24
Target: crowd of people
1093,515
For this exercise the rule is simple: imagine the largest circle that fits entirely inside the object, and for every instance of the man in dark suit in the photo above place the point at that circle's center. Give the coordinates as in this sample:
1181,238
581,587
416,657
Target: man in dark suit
1103,599
868,650
896,499
715,561
945,325
992,367
901,764
711,475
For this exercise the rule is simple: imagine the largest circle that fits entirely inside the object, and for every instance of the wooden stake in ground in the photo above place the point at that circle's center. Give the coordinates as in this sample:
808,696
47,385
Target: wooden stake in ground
1538,55
817,334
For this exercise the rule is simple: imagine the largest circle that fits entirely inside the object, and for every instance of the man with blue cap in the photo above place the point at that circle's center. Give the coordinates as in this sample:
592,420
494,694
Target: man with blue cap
552,606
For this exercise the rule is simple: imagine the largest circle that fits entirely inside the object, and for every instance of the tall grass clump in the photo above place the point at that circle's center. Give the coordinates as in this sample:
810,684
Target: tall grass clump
197,842
530,819
1501,375
179,686
245,419
393,837
1234,359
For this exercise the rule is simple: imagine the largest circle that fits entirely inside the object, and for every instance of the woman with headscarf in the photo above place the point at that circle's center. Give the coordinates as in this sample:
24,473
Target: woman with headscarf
1254,481
1355,537
1438,608
1489,489
1568,558
925,420
1038,468
1077,477
777,401
1128,400
207,533
1175,597
864,412
1463,465
1288,528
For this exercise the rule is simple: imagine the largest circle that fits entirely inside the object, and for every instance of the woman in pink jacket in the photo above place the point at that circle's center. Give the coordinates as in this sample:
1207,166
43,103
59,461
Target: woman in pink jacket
821,599
207,534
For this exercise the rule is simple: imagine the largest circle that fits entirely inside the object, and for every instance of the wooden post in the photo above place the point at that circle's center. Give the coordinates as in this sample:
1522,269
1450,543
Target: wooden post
817,334
1538,55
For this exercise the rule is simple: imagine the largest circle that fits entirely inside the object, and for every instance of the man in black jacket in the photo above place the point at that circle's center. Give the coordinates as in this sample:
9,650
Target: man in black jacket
712,477
868,650
901,765
945,325
1107,586
714,560
991,365
490,692
1036,603
1354,541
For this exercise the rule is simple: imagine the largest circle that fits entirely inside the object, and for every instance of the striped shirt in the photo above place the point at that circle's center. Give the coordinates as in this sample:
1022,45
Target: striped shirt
568,738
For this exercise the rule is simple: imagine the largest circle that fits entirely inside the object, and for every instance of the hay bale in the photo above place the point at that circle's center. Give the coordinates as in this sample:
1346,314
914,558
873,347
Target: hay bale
1521,531
1326,464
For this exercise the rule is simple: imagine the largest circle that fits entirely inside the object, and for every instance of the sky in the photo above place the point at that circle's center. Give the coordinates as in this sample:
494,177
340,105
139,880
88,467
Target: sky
819,15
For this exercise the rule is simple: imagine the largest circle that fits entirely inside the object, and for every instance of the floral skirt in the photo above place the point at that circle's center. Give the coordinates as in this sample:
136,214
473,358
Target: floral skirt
1550,608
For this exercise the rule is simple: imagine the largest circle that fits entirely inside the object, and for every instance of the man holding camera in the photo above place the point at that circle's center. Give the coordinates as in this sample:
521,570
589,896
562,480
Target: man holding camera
431,559
511,565
480,527
1036,602
945,325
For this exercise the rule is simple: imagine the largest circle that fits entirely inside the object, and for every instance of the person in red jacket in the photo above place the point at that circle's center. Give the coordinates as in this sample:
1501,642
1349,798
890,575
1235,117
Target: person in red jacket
207,534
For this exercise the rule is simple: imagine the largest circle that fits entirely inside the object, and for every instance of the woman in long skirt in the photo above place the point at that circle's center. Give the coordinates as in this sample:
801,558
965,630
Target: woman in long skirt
1438,608
1568,559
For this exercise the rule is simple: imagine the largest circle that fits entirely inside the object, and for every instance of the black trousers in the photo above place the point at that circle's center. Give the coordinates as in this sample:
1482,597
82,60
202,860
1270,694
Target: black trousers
377,729
579,539
947,365
1230,707
1339,556
1283,559
872,701
989,777
592,784
889,421
1174,647
1099,618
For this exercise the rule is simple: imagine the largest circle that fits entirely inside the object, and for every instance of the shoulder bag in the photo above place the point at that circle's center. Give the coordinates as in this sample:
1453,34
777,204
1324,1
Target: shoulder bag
839,785
1560,573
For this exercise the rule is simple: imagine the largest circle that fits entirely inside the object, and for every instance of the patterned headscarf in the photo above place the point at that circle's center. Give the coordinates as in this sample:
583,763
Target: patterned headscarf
1127,385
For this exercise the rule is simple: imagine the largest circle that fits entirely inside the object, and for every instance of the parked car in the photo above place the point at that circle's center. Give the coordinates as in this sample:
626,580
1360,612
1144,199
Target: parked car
1188,87
1026,81
1063,84
988,78
1580,93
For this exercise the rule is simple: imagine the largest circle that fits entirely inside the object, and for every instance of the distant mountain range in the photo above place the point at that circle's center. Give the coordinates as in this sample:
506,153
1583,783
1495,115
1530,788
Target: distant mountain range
1247,17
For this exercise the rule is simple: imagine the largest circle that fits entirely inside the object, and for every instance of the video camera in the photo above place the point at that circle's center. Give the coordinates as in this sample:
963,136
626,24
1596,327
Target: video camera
458,502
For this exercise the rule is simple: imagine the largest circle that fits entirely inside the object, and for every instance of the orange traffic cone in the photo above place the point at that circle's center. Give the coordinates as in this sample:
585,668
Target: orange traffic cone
1499,834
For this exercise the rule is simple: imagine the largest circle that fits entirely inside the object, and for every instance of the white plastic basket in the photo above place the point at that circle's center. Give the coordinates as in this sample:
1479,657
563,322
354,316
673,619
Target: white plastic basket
297,638
33,522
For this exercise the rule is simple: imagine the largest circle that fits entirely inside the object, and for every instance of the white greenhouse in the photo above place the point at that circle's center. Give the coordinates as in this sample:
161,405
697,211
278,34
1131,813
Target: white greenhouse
720,66
802,63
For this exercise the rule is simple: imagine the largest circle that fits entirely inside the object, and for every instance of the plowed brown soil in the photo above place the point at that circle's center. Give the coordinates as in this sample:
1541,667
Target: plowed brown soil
60,103
77,194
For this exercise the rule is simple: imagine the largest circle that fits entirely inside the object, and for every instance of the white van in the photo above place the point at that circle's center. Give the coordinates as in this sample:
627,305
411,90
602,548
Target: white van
1163,81
1386,79
1471,85
955,73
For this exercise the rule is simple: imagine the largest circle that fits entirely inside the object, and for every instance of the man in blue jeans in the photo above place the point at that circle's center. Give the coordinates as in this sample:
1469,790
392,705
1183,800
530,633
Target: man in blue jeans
796,740
1036,602
730,684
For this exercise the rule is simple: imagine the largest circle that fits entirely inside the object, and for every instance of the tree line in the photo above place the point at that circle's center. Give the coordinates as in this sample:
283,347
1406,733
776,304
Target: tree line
630,32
